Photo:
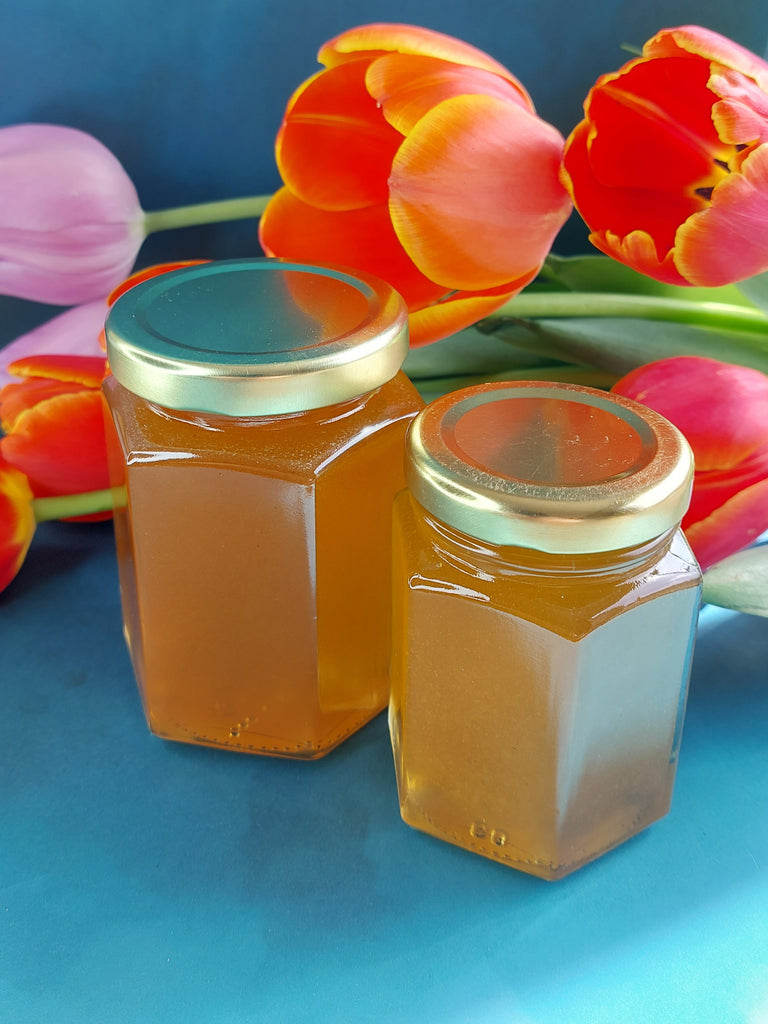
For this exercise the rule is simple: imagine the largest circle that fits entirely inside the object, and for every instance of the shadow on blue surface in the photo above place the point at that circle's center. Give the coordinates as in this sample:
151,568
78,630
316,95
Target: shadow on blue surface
145,880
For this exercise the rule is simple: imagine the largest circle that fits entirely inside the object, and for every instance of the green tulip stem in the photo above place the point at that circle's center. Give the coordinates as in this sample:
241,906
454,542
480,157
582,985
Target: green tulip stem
70,506
205,213
546,305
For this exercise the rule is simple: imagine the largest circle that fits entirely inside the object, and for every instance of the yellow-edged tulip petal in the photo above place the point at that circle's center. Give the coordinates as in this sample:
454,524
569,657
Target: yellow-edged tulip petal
728,241
696,41
669,168
458,311
362,239
475,196
334,149
407,86
379,38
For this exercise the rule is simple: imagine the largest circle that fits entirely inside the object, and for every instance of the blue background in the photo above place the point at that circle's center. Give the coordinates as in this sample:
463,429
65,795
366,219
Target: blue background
189,94
147,881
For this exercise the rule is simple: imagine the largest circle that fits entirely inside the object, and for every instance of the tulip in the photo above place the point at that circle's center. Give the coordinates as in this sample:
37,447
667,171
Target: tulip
419,159
21,511
17,521
77,331
54,424
722,410
669,167
73,332
70,220
71,224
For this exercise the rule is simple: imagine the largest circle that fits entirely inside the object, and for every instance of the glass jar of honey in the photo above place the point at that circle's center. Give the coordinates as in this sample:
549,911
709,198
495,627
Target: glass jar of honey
545,603
259,417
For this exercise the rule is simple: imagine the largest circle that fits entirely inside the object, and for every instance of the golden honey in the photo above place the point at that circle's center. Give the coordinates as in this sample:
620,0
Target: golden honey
544,608
254,548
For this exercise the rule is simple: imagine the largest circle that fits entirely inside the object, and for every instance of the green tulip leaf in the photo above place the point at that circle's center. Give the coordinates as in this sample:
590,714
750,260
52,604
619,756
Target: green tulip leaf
473,353
740,582
756,290
596,273
620,345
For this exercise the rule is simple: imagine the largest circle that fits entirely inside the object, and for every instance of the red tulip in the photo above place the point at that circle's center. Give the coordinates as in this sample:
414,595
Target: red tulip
17,521
73,332
669,168
54,445
70,220
419,159
723,412
54,424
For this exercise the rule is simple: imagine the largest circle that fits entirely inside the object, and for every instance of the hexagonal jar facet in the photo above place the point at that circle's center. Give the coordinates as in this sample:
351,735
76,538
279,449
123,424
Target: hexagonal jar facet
537,696
259,417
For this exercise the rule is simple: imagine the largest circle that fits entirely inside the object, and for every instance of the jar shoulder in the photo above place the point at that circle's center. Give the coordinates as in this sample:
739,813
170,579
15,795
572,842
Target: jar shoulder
569,603
296,444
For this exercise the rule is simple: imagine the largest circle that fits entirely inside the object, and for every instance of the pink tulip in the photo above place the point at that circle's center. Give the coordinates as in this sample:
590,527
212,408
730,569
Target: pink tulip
669,167
70,220
723,412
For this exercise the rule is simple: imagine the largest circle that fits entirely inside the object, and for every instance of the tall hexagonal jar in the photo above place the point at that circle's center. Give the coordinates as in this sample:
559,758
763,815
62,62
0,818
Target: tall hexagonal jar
259,418
545,602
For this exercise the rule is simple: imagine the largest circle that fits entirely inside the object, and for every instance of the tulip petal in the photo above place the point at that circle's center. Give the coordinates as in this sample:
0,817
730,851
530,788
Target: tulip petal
703,42
721,408
17,521
334,148
70,220
655,127
475,197
87,370
407,87
455,313
363,239
727,241
739,522
17,398
713,488
74,331
60,444
55,177
741,114
380,38
638,250
635,226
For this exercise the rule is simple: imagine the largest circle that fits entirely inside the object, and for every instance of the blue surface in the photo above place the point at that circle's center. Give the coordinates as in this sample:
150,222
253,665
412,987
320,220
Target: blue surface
142,880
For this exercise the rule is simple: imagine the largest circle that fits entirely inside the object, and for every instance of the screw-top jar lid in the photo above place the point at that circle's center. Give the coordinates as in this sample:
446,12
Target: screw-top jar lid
256,337
554,467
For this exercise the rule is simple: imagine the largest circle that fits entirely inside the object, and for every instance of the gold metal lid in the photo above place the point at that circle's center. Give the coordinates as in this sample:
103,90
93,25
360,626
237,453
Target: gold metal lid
555,467
256,337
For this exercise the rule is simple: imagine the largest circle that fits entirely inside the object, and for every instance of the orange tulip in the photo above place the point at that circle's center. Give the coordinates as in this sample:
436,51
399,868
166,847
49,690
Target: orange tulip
723,411
420,159
54,424
669,168
17,521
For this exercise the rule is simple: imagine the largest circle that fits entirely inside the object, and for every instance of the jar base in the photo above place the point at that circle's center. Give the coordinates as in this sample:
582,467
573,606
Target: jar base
252,743
498,846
